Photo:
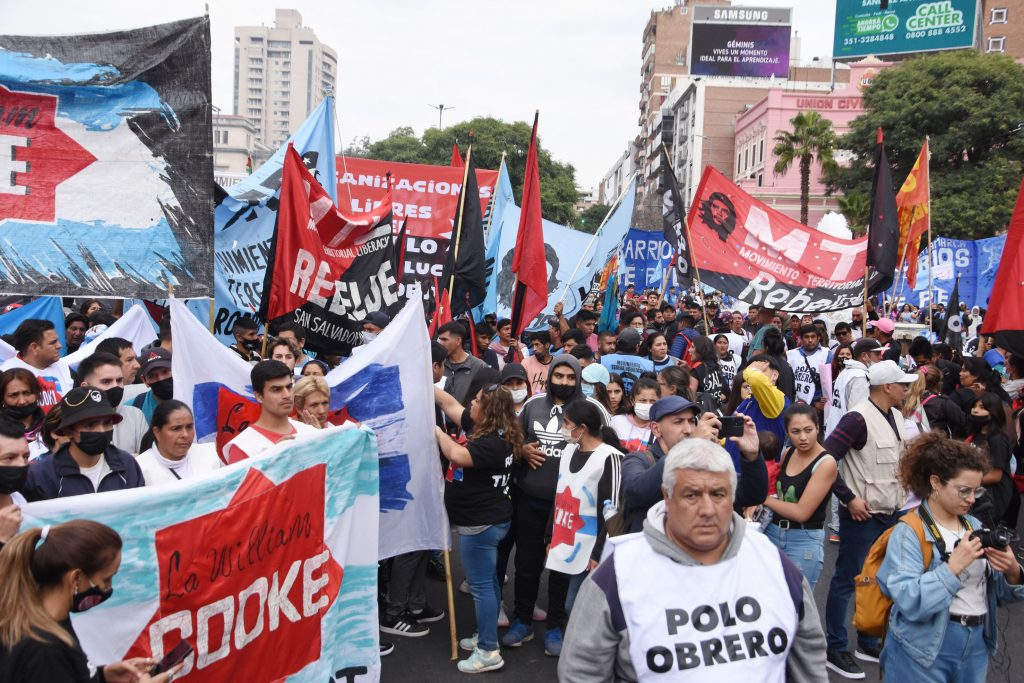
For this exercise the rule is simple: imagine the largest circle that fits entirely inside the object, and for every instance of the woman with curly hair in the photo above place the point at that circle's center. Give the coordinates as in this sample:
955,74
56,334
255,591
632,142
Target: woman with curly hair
476,496
943,624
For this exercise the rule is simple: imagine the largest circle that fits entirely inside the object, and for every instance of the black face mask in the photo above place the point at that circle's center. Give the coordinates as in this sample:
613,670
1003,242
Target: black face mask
19,413
250,344
88,599
979,420
164,389
114,395
563,392
12,478
94,443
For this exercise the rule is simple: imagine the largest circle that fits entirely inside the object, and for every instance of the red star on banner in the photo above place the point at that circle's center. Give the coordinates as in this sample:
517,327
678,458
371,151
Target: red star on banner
567,519
40,155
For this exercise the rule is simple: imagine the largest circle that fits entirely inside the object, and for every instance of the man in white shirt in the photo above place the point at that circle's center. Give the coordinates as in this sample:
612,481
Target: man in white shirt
805,360
103,371
272,386
738,337
38,349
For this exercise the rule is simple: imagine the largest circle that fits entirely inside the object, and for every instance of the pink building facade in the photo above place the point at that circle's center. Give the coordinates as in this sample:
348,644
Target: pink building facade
756,128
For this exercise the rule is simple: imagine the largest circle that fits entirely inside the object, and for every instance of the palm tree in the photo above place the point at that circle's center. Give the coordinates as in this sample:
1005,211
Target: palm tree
812,139
856,207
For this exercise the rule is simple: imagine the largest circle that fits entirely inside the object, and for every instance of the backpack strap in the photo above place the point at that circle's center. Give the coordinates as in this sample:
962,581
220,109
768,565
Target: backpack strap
927,398
917,522
795,583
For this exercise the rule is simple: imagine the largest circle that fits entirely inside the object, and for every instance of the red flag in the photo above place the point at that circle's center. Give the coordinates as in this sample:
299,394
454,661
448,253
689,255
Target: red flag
912,203
314,242
456,157
530,264
1005,316
442,309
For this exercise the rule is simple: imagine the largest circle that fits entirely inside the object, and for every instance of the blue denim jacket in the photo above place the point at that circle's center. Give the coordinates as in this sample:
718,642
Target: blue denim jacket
920,610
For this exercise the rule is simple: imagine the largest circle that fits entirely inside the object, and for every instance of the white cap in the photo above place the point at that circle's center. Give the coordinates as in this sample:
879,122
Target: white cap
888,372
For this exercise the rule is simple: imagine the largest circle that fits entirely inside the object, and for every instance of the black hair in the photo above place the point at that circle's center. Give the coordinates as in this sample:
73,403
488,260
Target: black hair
980,368
454,328
645,348
1016,362
245,323
921,347
75,318
842,326
575,335
96,360
483,328
437,352
543,336
769,444
502,322
666,306
484,377
944,350
645,383
165,328
11,429
266,370
809,329
29,332
89,302
586,316
585,413
627,316
686,320
102,317
774,344
582,352
996,412
162,413
705,350
800,409
113,345
291,326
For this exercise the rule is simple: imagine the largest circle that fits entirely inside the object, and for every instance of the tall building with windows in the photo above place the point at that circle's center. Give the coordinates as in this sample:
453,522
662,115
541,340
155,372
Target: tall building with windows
1002,27
281,75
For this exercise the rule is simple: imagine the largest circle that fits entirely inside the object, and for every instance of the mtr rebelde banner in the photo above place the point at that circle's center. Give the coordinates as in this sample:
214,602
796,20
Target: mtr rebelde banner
748,250
268,568
425,200
105,163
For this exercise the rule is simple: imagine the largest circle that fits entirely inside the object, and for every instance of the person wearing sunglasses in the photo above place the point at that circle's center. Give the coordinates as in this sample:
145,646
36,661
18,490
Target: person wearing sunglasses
943,625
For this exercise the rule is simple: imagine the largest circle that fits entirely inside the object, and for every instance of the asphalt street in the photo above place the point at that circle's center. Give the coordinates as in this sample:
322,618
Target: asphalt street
427,659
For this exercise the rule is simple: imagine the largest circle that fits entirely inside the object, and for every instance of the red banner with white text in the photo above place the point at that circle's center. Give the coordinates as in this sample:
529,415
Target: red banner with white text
748,250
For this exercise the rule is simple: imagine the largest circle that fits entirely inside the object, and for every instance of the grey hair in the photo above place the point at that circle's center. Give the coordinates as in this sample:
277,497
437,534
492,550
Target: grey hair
697,454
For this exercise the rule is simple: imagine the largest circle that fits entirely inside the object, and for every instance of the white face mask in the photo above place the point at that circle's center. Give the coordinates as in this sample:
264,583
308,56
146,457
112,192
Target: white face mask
567,435
368,336
518,395
642,410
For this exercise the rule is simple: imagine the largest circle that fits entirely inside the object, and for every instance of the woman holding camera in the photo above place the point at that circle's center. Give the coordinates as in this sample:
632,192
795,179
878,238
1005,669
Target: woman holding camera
943,624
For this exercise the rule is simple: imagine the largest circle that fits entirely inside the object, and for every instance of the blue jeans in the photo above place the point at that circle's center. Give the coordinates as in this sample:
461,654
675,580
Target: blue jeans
575,582
806,547
480,560
855,539
963,658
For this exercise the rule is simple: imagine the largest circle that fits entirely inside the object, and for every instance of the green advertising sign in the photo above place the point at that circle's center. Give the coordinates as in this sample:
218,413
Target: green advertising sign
863,28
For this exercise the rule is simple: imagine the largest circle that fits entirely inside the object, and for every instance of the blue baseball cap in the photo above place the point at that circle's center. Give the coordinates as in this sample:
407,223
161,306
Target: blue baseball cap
670,405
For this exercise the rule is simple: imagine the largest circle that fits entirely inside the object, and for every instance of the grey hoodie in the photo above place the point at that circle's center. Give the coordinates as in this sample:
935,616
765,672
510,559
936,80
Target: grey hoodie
596,647
541,420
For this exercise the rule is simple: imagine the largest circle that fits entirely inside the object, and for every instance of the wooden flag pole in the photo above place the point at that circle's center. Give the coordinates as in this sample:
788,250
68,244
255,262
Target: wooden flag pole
451,603
213,308
864,303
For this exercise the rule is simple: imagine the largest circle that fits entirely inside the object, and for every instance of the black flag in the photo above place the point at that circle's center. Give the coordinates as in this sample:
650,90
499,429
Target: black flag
673,216
469,266
954,321
884,229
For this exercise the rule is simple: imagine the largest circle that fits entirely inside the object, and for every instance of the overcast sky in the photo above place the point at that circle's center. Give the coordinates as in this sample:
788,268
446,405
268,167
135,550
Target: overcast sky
577,61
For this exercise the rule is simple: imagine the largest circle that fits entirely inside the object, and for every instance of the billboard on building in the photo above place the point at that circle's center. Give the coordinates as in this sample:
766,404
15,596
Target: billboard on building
750,42
863,28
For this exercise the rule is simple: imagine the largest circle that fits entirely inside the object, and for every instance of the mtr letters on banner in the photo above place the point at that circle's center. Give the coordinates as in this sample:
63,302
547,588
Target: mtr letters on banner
746,249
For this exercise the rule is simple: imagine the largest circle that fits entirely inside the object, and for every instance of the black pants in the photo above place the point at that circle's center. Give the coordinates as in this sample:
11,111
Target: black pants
407,584
532,517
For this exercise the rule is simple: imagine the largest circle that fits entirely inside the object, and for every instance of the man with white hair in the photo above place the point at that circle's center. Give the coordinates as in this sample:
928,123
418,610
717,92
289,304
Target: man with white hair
694,596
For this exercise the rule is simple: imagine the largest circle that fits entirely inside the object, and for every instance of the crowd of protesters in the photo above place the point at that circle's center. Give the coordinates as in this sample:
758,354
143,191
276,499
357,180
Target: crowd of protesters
682,462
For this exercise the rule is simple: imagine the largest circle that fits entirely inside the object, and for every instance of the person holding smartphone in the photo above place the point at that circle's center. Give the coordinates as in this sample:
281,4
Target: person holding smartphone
47,574
801,494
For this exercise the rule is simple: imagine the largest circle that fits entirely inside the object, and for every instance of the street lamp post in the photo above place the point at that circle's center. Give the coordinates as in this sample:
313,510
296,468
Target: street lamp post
440,113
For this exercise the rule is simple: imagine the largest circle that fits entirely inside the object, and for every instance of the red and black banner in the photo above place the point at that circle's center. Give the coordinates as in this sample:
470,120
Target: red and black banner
750,251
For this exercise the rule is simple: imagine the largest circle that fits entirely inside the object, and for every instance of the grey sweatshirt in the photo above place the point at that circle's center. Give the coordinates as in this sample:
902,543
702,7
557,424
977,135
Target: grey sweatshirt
596,647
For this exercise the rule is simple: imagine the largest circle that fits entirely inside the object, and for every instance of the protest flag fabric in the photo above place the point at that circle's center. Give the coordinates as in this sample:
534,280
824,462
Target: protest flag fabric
43,308
912,206
1005,316
673,220
496,226
386,386
268,568
609,321
749,250
884,227
398,249
954,325
457,161
248,165
328,269
135,325
244,217
106,188
529,263
465,268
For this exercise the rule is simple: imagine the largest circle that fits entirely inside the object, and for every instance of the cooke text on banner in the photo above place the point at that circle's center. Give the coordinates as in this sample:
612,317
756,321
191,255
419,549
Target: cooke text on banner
267,568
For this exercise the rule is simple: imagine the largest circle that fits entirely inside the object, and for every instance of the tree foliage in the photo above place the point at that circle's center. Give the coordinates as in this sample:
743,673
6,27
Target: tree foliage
491,137
812,139
856,208
972,107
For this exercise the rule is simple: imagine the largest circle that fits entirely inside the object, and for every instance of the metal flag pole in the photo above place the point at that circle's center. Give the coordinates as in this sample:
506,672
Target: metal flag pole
597,234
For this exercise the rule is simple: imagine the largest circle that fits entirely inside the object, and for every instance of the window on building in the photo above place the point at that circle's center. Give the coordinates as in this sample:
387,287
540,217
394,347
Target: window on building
666,83
997,15
760,180
255,39
224,137
739,164
761,155
996,44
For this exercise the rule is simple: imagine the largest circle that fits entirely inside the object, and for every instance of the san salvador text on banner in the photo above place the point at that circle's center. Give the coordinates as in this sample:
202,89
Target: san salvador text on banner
268,568
110,150
746,249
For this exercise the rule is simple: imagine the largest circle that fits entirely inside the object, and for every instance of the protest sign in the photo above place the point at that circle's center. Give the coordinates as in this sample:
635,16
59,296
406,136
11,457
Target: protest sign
386,385
267,568
108,138
975,261
746,249
646,255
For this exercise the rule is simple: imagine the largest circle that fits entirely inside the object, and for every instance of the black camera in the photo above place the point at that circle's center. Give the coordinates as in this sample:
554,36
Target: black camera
998,538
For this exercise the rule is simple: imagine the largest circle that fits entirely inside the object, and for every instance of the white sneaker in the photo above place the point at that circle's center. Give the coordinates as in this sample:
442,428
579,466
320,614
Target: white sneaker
468,644
464,587
481,661
539,614
503,621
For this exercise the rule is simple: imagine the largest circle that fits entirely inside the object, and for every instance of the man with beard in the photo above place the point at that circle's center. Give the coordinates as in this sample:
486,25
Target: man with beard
718,213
